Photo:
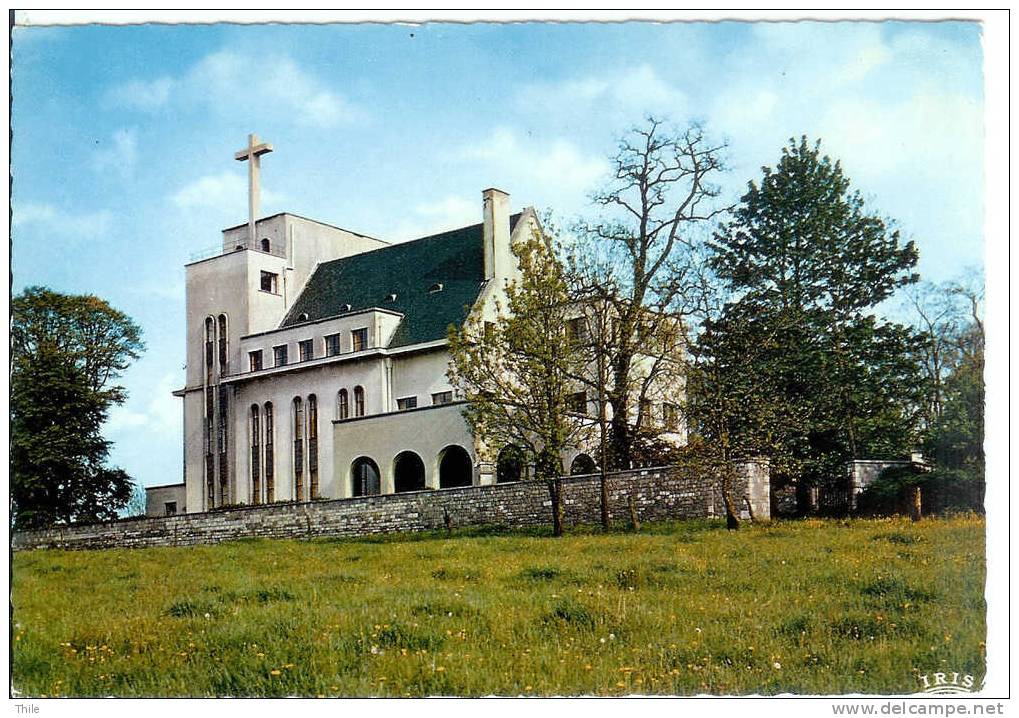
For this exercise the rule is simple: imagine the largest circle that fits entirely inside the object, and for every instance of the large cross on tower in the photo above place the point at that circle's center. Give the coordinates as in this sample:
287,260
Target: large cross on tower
252,153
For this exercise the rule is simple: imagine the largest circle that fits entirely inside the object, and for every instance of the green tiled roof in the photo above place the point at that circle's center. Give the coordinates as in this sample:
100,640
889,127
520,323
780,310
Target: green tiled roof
454,259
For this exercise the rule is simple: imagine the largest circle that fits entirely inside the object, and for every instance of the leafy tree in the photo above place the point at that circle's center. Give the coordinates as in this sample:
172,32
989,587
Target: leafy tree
100,340
515,372
639,258
65,353
802,255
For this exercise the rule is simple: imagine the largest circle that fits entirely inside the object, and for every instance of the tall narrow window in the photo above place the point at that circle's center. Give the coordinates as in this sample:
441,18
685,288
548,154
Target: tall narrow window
298,449
359,339
270,484
332,345
255,360
210,344
312,447
210,447
342,404
305,350
279,355
223,364
224,474
256,456
358,401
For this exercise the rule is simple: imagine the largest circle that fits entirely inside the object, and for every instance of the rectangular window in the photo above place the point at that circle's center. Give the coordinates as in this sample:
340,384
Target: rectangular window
269,282
442,397
306,350
575,330
647,414
359,339
279,355
670,415
332,345
489,331
577,403
171,508
409,402
255,360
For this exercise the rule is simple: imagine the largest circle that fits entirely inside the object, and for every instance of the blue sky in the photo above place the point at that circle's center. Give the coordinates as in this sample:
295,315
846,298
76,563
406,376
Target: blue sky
124,138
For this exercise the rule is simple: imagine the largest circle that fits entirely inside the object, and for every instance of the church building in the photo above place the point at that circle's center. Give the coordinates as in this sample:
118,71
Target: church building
317,357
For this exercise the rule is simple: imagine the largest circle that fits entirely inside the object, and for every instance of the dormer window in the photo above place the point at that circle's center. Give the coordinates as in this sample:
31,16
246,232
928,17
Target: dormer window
302,317
344,307
437,287
391,297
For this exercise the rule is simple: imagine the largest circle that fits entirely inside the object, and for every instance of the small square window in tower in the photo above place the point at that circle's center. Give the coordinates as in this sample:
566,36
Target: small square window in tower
670,417
576,332
306,350
269,282
577,403
170,508
359,339
279,355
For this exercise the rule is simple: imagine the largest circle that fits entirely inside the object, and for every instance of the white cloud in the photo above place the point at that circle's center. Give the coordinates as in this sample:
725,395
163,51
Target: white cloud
629,92
211,191
60,221
551,169
427,218
119,155
215,191
229,83
156,412
145,95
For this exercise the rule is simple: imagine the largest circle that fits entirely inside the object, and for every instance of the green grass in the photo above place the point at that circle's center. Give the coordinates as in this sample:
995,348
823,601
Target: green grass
682,608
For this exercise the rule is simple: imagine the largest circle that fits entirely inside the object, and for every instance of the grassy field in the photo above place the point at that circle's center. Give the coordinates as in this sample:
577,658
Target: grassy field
683,608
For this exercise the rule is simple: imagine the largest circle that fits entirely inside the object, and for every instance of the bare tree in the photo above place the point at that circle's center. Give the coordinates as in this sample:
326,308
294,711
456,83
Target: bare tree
949,316
639,258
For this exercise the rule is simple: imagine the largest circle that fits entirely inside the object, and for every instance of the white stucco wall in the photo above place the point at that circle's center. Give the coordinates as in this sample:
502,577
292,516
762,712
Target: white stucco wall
156,498
425,431
230,284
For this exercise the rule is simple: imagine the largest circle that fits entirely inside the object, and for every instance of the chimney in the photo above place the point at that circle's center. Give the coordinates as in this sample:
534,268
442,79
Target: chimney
498,257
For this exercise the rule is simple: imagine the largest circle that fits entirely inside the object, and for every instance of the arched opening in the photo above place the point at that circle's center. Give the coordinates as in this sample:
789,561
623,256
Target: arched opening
408,472
455,468
364,477
510,465
312,447
582,464
358,401
222,344
342,404
265,244
270,464
298,449
256,455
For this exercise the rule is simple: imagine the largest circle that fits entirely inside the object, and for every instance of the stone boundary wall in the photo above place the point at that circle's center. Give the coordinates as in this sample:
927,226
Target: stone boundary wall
659,493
